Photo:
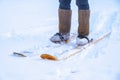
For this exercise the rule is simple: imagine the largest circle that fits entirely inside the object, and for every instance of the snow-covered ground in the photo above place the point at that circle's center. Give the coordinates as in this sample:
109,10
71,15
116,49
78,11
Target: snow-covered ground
28,25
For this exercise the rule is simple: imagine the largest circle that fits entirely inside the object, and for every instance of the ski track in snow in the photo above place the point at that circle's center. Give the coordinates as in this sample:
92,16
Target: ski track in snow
20,32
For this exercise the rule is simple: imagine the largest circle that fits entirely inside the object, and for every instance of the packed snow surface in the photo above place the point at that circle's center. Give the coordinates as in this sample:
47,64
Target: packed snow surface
27,25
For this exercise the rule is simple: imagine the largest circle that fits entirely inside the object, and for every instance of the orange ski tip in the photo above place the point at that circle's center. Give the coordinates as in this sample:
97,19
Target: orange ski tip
48,56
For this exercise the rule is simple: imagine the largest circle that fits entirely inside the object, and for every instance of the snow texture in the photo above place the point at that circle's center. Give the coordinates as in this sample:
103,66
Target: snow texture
27,25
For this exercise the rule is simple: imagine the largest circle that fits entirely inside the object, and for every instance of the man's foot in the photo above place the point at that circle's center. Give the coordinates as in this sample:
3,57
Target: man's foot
59,37
82,40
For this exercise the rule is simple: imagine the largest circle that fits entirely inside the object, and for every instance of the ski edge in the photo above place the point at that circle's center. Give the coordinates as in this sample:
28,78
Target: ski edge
76,51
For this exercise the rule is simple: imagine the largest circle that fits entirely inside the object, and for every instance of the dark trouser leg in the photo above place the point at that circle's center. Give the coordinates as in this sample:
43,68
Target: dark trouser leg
82,4
65,4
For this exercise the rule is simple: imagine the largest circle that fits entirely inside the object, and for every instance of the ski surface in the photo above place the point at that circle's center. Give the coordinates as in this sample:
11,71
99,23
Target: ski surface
63,51
75,50
49,47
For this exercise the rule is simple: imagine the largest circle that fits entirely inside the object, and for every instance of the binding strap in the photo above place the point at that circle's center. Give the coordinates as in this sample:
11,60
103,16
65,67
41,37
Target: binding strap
83,36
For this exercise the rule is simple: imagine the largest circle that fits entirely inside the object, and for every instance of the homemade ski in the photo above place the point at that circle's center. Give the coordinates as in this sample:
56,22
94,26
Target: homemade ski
75,50
27,53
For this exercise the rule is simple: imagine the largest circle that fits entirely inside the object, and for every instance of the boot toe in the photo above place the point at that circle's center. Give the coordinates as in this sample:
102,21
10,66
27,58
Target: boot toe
55,39
81,42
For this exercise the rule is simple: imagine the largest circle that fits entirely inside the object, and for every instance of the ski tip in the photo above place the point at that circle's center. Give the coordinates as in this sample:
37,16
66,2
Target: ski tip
19,54
48,56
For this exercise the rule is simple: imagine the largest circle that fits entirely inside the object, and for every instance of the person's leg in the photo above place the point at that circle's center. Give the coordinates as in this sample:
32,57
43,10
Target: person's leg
83,17
64,15
65,4
82,4
83,21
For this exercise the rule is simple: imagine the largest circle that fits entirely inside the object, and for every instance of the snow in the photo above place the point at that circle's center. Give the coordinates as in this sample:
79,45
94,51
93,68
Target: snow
28,25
